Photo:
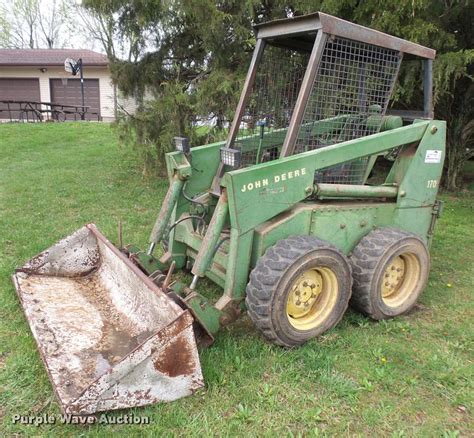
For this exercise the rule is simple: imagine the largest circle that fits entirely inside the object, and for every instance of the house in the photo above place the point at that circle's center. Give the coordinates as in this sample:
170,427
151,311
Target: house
38,75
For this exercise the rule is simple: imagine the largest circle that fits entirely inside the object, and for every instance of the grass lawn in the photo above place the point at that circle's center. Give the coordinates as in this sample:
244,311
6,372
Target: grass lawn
411,376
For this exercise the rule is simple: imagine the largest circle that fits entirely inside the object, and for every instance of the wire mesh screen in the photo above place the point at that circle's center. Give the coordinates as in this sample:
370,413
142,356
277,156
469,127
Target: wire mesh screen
350,95
270,106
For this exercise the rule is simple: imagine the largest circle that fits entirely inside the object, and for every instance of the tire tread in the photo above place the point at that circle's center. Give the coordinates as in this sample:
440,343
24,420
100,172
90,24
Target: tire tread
267,273
364,259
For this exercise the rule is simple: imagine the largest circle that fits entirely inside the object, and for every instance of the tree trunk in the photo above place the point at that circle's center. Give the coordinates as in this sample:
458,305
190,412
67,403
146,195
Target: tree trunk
455,159
451,180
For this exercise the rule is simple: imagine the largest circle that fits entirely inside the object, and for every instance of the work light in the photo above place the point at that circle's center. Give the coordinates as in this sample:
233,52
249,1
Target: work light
182,144
231,157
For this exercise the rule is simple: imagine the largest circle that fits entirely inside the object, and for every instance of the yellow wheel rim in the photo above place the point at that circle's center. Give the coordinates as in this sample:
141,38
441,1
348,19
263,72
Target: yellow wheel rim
400,279
312,298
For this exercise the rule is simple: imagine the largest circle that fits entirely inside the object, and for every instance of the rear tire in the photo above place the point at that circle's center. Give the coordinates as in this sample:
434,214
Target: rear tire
390,269
298,290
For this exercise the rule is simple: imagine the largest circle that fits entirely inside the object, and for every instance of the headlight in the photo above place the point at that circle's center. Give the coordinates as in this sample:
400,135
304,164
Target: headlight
182,144
231,157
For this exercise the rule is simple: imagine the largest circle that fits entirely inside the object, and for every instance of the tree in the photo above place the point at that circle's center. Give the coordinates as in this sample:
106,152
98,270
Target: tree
192,58
194,46
51,22
100,23
33,24
19,23
99,26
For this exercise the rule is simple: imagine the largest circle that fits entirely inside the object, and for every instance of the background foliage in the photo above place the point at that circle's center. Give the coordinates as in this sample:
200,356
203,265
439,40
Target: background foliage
192,58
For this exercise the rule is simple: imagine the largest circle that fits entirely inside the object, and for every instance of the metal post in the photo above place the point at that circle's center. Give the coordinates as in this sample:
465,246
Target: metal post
428,88
249,80
305,90
79,63
206,251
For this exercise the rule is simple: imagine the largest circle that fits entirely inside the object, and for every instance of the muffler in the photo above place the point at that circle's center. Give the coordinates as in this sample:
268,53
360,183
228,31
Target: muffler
109,337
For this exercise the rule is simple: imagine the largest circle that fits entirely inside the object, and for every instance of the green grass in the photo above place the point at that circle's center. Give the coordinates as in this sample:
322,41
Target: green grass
409,376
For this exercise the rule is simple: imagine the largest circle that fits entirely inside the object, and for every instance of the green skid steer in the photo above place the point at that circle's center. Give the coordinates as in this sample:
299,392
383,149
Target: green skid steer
286,216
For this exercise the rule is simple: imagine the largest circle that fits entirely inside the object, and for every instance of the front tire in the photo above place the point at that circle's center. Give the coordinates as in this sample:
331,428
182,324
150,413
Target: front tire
298,290
390,269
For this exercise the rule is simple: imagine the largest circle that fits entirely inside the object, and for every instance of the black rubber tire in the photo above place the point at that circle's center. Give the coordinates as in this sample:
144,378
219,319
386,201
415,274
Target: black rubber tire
370,259
271,280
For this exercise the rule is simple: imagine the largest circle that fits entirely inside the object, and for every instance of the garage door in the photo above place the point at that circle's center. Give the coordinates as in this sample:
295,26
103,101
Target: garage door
17,89
69,93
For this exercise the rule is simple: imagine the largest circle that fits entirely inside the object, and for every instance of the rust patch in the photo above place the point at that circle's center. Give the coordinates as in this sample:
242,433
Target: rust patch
175,359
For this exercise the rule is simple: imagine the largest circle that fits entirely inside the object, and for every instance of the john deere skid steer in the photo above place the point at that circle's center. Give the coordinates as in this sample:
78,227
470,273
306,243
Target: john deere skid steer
285,216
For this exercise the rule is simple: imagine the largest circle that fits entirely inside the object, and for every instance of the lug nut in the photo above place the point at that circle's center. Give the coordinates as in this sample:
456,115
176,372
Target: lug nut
305,284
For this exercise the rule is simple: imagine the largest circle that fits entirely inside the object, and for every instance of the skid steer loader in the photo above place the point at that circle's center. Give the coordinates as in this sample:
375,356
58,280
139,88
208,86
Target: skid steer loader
282,216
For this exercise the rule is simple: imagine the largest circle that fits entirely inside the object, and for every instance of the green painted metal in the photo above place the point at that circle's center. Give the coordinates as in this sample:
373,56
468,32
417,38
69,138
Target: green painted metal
342,223
296,220
207,315
167,208
420,182
370,166
146,262
202,165
237,267
216,272
354,191
278,185
211,239
326,126
193,241
389,123
266,202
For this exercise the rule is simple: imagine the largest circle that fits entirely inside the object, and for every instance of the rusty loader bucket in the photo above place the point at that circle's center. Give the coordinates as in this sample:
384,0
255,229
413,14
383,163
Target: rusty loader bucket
109,337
